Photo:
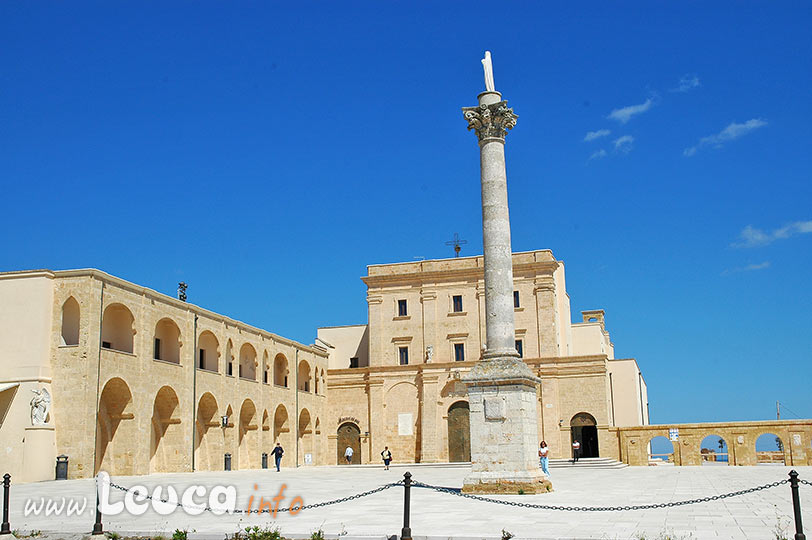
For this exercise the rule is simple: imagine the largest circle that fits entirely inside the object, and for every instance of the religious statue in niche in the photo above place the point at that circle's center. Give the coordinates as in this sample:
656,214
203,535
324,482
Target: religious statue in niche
429,353
40,405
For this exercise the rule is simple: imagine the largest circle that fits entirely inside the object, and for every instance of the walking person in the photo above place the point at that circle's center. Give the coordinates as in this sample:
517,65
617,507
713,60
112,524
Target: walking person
277,455
543,458
576,450
348,455
387,457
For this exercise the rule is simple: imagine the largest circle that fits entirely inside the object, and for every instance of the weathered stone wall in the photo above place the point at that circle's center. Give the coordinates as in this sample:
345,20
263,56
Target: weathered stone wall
147,407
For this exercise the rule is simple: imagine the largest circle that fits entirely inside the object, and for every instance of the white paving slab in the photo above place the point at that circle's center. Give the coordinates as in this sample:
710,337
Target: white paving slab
440,515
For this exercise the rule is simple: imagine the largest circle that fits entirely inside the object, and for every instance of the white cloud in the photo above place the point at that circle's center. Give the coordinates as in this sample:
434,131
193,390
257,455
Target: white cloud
753,237
592,135
732,132
598,154
624,144
687,82
625,114
748,268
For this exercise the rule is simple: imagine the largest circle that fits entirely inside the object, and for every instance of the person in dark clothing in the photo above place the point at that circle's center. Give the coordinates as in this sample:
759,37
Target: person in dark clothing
277,455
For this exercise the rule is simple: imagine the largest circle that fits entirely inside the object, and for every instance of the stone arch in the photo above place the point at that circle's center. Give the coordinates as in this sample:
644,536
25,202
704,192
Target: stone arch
118,328
280,370
70,322
248,362
349,434
770,449
713,450
208,436
208,351
660,449
304,376
167,341
166,449
229,358
459,432
281,427
116,430
584,428
305,435
247,442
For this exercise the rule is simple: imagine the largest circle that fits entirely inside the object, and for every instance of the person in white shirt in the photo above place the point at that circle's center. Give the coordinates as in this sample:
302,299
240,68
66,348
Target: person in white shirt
576,450
543,451
348,455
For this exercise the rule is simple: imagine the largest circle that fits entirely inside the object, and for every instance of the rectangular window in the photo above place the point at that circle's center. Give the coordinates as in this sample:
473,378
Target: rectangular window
457,301
516,299
354,362
230,370
520,348
107,345
265,376
157,354
403,355
239,370
402,308
459,352
202,354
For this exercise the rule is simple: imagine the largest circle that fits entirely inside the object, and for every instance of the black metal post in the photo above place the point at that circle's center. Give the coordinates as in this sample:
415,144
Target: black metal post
6,528
796,506
97,527
406,532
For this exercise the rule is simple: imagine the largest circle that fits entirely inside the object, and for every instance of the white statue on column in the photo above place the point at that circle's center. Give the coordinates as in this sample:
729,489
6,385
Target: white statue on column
429,353
487,65
40,405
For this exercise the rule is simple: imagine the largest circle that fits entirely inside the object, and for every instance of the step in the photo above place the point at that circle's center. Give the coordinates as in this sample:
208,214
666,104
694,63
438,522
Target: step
587,463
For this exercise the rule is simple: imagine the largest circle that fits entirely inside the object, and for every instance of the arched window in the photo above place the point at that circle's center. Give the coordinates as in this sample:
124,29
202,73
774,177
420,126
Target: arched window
280,370
70,322
265,368
248,362
304,376
167,341
117,328
229,359
208,351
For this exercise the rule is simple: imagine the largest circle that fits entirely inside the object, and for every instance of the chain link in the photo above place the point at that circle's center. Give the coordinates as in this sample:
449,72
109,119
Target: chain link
459,493
296,509
599,508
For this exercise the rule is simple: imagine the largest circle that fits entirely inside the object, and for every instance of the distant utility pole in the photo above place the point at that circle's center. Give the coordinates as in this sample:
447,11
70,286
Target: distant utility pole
456,242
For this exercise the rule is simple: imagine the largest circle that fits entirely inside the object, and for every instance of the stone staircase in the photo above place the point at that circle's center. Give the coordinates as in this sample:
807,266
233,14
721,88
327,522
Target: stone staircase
587,463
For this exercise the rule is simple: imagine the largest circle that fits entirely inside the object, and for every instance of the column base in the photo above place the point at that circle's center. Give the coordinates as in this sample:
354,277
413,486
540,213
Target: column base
507,482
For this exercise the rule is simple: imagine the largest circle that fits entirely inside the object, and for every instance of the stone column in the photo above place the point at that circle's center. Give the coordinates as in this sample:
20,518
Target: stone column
501,388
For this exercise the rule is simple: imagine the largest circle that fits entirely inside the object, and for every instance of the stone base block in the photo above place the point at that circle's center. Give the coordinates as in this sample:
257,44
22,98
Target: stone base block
518,484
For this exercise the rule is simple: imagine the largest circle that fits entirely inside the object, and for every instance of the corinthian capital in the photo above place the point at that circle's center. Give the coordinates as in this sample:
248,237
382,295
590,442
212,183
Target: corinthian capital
490,121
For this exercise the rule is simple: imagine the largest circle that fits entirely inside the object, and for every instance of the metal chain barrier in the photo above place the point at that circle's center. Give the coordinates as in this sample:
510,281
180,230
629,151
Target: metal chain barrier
807,482
601,508
296,509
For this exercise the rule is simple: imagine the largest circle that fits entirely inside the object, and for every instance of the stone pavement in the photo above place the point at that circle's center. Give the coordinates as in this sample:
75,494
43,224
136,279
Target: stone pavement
440,515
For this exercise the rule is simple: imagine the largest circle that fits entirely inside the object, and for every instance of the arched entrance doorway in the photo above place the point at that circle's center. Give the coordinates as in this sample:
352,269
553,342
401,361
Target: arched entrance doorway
349,435
584,428
459,432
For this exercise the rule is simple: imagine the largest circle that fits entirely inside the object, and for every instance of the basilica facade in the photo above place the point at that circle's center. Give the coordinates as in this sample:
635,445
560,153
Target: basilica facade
396,381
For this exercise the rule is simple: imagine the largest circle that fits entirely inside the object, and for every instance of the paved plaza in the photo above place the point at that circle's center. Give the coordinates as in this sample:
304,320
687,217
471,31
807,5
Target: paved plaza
440,515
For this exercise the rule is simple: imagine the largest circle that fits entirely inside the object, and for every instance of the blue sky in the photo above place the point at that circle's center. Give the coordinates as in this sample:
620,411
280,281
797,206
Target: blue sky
265,153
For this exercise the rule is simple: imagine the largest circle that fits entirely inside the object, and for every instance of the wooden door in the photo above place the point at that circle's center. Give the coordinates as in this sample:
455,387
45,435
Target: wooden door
349,435
459,433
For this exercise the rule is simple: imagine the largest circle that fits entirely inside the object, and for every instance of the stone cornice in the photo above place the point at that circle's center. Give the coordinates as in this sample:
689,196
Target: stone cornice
454,274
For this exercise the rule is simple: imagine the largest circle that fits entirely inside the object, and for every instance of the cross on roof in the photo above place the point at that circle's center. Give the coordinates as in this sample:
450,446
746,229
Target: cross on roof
456,242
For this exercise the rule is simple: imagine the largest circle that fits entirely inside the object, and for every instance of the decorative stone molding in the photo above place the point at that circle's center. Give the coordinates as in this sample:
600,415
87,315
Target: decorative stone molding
491,122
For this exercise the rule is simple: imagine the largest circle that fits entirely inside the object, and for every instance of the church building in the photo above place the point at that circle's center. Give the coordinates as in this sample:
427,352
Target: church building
396,380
